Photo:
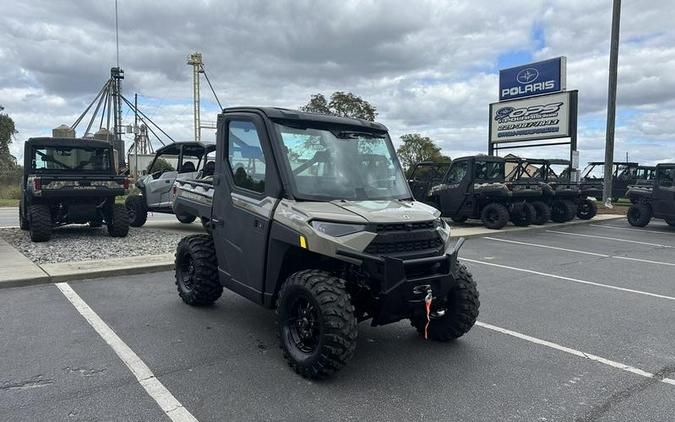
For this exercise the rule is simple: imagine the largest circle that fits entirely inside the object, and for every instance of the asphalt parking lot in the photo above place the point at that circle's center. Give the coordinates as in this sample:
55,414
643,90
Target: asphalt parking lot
576,323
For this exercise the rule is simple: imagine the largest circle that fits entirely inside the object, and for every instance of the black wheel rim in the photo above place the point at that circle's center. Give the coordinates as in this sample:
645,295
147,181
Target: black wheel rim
493,216
584,209
303,325
187,272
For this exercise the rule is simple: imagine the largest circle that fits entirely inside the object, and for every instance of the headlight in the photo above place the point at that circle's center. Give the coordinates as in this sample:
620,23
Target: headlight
337,229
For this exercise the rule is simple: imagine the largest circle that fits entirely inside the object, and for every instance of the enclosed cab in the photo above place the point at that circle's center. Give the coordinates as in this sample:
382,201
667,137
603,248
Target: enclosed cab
180,160
592,179
312,215
69,180
654,201
425,175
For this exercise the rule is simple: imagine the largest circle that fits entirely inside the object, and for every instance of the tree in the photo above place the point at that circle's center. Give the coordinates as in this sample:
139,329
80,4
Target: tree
160,165
417,148
341,104
7,132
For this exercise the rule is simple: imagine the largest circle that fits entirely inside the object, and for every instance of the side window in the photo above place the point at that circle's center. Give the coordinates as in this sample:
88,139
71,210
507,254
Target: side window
245,155
457,172
666,177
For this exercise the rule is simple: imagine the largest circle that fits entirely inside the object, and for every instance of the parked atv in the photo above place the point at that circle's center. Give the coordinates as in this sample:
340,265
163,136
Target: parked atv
186,160
312,215
70,181
654,201
474,187
624,174
562,199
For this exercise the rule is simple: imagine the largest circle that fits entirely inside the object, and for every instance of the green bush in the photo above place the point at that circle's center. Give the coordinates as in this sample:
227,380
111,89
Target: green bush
160,165
10,192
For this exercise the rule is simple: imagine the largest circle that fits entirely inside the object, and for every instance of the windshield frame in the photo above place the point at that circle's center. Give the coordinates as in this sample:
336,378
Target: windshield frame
278,124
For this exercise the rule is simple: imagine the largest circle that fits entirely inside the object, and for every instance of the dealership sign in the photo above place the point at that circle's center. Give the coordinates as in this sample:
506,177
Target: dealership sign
542,117
531,79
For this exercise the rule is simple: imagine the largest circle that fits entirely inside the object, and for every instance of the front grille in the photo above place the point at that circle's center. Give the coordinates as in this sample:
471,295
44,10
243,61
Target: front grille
400,227
380,248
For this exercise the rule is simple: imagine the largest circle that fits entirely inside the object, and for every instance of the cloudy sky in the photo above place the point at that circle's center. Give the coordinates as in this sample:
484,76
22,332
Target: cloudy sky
428,66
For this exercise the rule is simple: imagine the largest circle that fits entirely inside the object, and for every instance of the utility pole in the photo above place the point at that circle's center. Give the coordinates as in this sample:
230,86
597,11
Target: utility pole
136,134
195,60
611,104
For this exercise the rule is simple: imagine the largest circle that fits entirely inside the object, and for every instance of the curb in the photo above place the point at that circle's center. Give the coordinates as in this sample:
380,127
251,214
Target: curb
512,229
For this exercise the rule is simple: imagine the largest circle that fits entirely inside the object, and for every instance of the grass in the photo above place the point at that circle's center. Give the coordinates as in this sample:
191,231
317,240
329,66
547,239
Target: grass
9,202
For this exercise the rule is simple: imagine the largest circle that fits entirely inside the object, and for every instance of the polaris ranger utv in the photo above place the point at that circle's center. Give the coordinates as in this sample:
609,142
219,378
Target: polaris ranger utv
311,214
189,160
474,187
67,181
656,200
562,199
623,175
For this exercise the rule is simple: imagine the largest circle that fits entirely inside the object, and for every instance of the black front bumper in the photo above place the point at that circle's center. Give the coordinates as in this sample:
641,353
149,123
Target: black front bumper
404,283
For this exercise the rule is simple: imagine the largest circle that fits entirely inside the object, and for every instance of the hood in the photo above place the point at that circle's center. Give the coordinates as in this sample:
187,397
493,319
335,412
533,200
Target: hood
390,211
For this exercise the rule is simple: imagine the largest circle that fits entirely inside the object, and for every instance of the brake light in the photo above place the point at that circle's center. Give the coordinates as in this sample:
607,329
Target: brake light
126,183
37,184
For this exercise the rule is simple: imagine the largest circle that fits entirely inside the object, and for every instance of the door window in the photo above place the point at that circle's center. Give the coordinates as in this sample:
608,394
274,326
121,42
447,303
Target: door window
666,177
457,172
245,155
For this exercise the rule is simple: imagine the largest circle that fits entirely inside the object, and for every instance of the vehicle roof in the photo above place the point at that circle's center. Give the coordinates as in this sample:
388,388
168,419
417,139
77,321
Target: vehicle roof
167,148
665,165
625,163
482,158
543,161
67,142
288,114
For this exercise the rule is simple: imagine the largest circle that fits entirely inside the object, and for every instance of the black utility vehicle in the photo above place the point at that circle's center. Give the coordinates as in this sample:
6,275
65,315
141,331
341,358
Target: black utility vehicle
180,160
424,176
623,176
561,199
312,215
68,181
474,187
656,200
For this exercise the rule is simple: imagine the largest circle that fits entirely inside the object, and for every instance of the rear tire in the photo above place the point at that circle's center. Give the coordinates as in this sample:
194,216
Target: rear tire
40,220
587,209
562,211
521,214
118,221
542,213
461,311
186,219
137,210
317,325
23,221
639,215
197,279
494,216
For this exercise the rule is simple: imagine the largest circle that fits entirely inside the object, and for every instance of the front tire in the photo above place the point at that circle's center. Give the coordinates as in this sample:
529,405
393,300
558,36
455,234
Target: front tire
317,325
639,215
138,212
118,221
196,270
40,220
542,213
462,308
461,219
562,211
186,218
494,216
670,222
587,209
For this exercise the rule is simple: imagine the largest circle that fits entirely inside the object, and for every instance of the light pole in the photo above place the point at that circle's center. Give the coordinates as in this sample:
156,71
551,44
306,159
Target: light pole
611,104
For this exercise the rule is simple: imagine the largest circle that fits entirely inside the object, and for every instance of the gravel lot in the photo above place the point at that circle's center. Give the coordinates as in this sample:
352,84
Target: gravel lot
82,243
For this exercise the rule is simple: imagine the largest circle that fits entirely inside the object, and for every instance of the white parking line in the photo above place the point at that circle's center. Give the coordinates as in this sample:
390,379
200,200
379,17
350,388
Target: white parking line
171,407
575,280
9,227
578,353
607,226
538,245
615,239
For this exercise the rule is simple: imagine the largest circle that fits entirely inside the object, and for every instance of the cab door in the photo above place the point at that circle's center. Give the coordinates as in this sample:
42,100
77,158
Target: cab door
457,179
663,197
246,192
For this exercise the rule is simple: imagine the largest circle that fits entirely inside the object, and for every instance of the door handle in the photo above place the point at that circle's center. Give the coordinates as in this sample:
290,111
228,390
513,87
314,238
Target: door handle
258,224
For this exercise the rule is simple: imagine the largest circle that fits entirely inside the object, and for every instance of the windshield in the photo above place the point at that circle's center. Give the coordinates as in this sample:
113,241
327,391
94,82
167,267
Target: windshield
593,171
333,164
69,158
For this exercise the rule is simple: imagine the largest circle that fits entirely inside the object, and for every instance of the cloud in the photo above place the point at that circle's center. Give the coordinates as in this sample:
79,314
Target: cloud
428,66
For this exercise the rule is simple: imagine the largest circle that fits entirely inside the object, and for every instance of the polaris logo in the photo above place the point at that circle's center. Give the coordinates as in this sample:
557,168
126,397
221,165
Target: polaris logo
529,89
527,76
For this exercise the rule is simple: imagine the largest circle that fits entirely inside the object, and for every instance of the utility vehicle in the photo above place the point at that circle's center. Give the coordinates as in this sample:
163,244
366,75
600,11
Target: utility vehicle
656,200
592,179
311,214
562,199
69,180
180,160
474,187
